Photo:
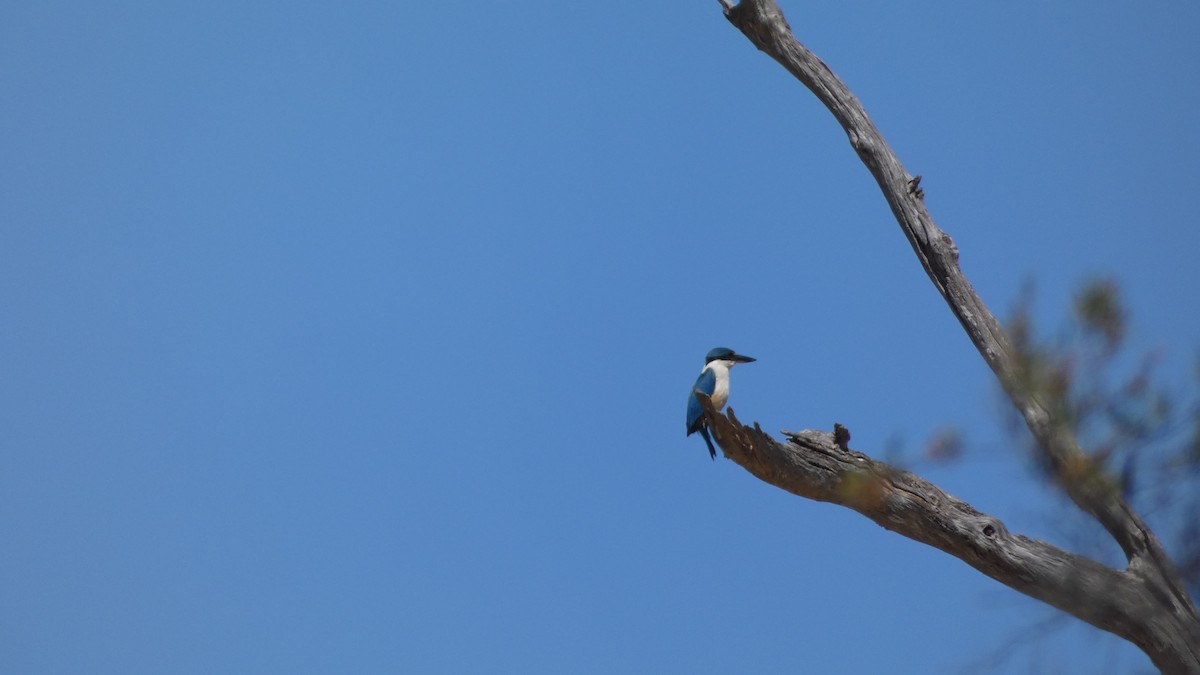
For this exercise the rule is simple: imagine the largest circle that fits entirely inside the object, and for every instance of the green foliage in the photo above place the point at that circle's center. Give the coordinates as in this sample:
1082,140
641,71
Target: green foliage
1139,434
1099,313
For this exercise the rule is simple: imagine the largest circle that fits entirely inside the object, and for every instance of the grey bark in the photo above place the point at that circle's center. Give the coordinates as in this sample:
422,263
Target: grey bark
1146,603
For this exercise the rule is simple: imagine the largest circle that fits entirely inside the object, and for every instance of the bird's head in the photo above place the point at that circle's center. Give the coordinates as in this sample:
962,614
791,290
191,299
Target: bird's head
726,354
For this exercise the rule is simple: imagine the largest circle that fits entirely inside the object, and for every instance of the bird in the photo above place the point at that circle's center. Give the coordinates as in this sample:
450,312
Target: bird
713,382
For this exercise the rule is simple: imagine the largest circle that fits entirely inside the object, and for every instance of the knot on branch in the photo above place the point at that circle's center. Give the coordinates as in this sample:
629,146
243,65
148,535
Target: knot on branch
991,528
950,246
914,187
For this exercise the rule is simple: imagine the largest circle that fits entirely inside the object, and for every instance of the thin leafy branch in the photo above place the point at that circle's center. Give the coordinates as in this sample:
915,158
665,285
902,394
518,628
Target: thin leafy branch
1136,429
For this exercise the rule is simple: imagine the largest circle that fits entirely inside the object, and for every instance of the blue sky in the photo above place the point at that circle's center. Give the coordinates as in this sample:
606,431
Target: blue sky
356,337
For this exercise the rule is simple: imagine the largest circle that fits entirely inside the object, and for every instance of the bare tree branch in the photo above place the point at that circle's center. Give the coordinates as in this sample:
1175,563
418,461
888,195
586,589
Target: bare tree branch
819,465
1174,645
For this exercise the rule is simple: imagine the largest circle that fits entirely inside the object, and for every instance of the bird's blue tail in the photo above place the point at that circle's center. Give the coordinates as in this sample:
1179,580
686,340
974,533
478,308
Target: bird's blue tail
707,439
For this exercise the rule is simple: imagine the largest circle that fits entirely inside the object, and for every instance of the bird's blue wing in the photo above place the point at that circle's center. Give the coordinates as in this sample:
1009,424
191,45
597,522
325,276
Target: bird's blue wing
706,383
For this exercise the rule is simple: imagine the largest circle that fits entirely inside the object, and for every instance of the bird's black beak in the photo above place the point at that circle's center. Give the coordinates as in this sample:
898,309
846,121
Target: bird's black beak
741,359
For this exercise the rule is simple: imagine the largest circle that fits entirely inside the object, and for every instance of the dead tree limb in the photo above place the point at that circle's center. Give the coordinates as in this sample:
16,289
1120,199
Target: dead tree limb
1147,603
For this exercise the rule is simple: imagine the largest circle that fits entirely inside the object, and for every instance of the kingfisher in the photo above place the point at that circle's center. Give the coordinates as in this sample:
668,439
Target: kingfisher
714,382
